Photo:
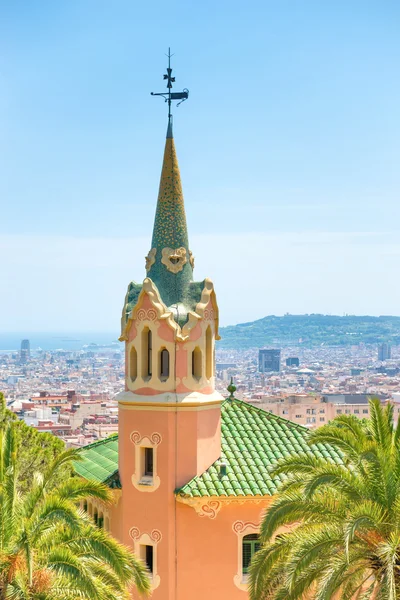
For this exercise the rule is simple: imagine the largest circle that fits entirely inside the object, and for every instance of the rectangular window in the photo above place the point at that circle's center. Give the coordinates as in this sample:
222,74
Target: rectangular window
365,411
250,546
147,556
356,411
298,416
148,462
313,411
322,418
339,412
285,412
322,411
347,411
308,411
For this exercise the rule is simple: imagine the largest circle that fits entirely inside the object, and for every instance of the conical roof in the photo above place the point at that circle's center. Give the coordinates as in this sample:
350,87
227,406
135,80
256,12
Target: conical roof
169,263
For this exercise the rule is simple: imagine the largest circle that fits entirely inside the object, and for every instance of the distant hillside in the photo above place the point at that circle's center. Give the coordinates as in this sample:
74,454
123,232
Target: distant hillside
311,330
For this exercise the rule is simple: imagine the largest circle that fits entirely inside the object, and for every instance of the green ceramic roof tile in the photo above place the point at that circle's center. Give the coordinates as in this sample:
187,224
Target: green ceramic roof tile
252,441
100,461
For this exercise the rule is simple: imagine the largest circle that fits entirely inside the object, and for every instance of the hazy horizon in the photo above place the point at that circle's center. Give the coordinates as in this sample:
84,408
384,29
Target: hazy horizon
289,147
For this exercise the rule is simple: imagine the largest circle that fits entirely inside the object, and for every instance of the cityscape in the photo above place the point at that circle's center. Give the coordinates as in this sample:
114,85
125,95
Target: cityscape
199,324
72,393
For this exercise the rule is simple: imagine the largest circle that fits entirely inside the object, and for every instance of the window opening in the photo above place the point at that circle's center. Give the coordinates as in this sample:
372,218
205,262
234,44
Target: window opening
250,545
209,353
147,353
164,363
149,558
148,462
133,363
196,363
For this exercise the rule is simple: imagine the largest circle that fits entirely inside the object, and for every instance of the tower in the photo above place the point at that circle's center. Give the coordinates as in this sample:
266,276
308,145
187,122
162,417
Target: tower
169,412
269,360
25,351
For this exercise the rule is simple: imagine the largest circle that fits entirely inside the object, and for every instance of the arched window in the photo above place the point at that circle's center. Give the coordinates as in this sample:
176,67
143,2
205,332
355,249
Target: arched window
164,364
100,521
147,353
197,360
250,545
95,516
85,505
133,363
209,353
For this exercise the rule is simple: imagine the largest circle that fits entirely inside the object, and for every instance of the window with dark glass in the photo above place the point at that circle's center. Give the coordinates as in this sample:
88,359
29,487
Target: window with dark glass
196,363
209,353
251,544
149,558
147,353
148,462
164,363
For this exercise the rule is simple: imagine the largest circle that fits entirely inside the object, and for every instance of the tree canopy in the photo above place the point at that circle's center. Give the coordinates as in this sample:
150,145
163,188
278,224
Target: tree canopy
35,449
49,547
333,530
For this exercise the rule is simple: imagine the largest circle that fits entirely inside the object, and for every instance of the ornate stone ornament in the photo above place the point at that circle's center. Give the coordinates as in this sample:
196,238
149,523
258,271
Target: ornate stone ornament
191,259
174,260
151,259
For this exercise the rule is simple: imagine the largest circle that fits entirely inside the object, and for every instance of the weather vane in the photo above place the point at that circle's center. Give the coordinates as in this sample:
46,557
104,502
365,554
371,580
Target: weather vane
169,96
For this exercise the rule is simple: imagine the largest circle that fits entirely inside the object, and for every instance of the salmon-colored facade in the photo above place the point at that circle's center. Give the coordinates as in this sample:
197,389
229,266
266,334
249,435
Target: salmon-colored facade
170,425
171,412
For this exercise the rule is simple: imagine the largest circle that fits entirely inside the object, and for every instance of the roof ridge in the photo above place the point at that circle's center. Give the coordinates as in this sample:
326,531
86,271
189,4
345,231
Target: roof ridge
264,411
111,437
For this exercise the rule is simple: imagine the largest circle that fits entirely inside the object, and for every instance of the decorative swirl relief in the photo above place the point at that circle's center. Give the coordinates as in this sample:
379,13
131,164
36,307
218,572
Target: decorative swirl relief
151,259
155,535
210,509
174,259
146,315
155,438
209,314
240,526
134,532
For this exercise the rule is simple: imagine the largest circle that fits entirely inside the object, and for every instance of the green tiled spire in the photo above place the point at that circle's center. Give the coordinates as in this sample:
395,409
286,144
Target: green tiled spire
169,259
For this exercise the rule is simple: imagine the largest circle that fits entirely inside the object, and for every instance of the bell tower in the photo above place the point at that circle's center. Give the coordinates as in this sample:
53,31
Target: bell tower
169,412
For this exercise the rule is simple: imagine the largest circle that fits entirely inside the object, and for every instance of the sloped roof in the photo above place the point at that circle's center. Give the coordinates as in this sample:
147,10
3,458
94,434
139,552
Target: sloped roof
100,461
252,441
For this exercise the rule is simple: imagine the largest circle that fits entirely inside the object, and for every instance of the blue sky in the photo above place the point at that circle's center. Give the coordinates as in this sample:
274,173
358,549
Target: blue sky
288,146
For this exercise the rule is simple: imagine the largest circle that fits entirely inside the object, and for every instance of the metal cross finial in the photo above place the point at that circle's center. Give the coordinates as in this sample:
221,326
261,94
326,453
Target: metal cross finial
169,96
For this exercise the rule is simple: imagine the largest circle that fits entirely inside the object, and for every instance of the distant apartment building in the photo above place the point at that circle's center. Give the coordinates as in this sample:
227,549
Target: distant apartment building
25,351
269,360
384,351
315,410
292,361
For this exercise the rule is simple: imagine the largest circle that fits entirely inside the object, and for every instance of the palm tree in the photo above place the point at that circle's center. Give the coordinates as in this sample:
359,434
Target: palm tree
333,530
49,548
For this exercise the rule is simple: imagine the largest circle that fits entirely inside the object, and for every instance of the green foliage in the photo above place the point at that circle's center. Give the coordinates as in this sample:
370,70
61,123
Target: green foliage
35,450
333,530
49,548
313,330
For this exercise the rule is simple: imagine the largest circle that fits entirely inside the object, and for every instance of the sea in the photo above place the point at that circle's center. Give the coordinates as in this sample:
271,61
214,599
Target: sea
11,342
